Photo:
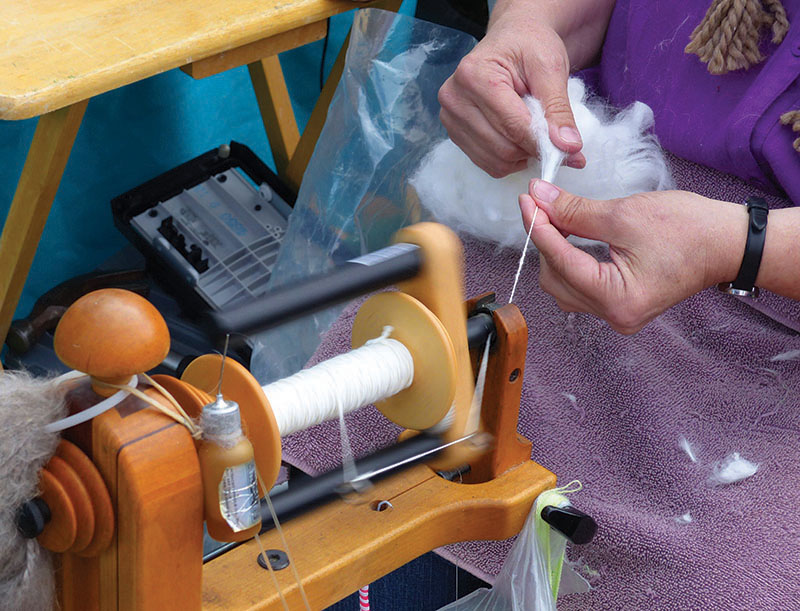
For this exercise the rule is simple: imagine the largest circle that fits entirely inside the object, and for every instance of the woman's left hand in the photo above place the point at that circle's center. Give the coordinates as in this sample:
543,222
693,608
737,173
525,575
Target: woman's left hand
665,246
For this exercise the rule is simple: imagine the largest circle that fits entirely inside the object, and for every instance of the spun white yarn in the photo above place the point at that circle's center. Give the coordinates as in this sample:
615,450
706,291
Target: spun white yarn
474,416
550,159
622,158
379,369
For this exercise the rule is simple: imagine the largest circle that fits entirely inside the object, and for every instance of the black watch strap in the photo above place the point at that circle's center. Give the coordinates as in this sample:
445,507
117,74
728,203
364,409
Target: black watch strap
745,283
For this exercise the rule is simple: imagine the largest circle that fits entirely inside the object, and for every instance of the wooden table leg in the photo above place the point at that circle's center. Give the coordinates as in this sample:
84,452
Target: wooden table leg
276,110
302,155
36,189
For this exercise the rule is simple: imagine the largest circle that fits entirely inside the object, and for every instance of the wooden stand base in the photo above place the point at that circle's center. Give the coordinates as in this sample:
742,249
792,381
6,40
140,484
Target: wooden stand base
341,546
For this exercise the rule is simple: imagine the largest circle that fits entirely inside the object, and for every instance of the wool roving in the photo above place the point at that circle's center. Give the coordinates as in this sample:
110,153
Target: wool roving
622,158
27,404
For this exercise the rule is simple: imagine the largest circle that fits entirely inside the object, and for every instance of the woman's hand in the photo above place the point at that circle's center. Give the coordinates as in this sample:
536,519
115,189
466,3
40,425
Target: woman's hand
664,246
527,50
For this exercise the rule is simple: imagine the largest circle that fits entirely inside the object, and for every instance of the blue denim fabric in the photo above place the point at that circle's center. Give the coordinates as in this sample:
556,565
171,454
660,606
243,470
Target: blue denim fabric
425,584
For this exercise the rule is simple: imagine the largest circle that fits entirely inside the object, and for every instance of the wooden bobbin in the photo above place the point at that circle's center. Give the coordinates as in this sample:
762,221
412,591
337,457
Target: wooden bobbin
430,396
98,495
258,421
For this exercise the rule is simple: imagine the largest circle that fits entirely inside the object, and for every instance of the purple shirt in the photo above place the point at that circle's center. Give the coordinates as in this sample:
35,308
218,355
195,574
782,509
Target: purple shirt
729,122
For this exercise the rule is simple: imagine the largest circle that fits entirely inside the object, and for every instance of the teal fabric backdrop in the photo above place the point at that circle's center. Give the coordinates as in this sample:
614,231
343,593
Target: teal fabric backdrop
133,134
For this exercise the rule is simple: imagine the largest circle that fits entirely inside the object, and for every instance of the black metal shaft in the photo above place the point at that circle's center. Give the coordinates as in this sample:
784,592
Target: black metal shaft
308,493
376,270
479,327
312,492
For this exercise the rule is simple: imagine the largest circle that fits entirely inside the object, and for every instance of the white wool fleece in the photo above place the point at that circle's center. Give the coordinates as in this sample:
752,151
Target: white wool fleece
622,158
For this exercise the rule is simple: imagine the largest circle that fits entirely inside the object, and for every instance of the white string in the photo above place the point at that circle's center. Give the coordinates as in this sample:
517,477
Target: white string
282,536
474,417
379,369
87,414
551,159
349,471
524,251
70,375
271,571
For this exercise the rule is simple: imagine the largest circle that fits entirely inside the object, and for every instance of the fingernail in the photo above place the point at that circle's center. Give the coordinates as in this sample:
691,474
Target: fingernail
544,191
569,135
576,160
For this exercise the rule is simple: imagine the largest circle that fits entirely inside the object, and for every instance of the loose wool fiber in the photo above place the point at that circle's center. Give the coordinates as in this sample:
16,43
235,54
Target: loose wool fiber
27,404
733,468
622,158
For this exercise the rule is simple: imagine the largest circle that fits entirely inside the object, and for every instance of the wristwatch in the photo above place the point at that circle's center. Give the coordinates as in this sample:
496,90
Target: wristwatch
745,283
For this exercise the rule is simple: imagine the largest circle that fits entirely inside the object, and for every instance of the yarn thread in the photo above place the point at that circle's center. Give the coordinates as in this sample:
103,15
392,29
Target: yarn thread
474,416
551,159
524,252
282,536
87,414
363,598
379,369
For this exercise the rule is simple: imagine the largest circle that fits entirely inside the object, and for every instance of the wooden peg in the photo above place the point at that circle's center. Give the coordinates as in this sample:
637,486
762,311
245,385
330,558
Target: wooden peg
111,334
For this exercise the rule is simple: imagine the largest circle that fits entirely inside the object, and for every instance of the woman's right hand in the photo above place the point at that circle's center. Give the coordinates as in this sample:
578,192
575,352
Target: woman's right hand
482,107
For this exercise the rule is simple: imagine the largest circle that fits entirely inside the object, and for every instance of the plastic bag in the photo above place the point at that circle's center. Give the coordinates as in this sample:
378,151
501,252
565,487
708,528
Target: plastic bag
531,577
382,120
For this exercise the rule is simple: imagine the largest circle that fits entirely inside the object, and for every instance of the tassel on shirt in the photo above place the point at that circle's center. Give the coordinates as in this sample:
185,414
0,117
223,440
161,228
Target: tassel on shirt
728,36
793,118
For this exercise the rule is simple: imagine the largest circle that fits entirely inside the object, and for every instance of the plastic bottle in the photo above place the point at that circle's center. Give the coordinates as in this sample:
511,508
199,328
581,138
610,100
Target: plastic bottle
230,485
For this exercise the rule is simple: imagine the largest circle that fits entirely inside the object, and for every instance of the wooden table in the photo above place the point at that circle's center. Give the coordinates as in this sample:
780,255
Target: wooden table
57,54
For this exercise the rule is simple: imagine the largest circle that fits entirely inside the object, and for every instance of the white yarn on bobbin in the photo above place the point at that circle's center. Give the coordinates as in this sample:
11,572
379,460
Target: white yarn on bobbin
377,370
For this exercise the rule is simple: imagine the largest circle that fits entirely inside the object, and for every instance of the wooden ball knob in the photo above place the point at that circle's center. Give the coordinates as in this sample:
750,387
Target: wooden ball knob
111,334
